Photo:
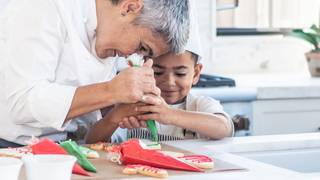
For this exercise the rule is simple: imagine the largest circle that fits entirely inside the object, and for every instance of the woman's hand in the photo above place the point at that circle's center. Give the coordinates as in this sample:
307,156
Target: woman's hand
136,85
161,113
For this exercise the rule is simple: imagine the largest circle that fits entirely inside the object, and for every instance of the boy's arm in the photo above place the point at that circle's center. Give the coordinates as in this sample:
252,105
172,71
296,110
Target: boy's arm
103,129
214,126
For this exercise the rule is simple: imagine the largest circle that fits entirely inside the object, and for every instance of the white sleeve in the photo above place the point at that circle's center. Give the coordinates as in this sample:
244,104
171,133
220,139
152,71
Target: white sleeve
119,136
35,37
209,105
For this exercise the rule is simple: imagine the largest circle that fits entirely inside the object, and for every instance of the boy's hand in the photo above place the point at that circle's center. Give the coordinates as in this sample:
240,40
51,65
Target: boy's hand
161,113
125,116
121,111
132,122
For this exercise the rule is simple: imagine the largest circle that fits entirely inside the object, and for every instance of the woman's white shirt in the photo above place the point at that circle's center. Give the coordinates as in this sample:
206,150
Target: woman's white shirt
46,52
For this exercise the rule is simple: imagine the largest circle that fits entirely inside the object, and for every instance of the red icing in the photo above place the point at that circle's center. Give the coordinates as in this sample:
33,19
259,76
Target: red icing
133,153
114,149
144,167
46,146
197,158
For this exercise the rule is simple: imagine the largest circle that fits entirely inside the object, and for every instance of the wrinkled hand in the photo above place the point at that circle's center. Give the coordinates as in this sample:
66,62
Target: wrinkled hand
136,85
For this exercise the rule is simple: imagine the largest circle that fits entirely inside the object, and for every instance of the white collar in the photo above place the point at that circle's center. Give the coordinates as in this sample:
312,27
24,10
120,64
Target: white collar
90,20
89,8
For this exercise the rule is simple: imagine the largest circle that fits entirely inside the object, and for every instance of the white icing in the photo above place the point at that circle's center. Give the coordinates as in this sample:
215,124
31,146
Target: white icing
136,59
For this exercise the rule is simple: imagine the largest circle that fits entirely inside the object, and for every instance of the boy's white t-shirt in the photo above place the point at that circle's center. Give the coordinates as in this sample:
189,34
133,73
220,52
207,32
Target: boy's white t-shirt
170,132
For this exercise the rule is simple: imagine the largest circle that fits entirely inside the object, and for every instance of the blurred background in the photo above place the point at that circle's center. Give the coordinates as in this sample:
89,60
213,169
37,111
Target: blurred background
250,36
265,77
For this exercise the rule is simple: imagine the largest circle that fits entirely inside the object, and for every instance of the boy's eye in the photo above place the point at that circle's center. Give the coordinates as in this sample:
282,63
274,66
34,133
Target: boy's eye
181,74
158,73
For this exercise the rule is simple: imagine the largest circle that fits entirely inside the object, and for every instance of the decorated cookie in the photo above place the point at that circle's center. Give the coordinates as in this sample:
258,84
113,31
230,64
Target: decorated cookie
129,170
114,153
145,170
15,152
100,146
200,161
113,148
147,144
89,153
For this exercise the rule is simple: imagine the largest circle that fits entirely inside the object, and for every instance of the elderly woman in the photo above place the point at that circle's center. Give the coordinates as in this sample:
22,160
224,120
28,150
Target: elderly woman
57,65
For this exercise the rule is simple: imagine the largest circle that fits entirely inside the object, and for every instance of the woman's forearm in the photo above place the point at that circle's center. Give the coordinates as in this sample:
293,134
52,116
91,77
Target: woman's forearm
210,125
90,98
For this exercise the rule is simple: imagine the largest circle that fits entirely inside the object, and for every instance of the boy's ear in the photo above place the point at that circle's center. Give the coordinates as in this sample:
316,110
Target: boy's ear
197,72
131,7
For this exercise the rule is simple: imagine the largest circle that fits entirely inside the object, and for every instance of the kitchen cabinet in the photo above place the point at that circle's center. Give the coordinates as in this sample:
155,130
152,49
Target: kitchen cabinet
285,116
272,108
237,102
270,14
241,114
273,104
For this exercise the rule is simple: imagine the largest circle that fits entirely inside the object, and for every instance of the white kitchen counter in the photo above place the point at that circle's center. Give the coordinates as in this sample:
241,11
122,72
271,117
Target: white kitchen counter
256,170
259,86
228,94
281,86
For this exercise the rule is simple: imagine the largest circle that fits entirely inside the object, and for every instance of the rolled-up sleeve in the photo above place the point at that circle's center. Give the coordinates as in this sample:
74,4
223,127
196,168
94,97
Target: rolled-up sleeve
34,42
209,105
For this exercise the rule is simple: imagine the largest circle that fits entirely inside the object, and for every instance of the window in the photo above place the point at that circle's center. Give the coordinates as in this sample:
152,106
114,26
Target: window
267,16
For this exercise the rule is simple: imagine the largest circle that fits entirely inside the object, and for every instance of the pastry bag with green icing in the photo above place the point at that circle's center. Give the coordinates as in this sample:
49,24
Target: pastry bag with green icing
136,60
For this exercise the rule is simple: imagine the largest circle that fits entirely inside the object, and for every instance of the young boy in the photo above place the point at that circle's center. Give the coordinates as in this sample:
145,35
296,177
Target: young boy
180,115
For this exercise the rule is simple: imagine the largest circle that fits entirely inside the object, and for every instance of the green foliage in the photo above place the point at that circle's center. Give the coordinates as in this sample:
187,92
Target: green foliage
311,35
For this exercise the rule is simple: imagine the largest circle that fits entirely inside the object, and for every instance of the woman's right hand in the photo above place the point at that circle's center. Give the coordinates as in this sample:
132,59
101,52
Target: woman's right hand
136,85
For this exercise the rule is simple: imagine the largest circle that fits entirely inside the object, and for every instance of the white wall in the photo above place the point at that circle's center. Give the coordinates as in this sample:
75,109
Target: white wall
3,3
248,54
258,54
206,11
271,13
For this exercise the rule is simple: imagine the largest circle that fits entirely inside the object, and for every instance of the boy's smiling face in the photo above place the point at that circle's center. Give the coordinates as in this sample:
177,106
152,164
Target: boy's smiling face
175,75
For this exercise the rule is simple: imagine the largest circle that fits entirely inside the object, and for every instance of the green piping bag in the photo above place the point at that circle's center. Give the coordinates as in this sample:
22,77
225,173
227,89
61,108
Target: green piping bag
136,60
73,149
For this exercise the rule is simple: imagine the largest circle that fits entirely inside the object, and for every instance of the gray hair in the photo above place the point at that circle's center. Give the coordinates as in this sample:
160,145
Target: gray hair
169,18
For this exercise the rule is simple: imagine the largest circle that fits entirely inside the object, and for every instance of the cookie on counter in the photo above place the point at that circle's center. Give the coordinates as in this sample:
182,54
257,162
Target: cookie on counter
200,161
145,170
15,152
100,146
